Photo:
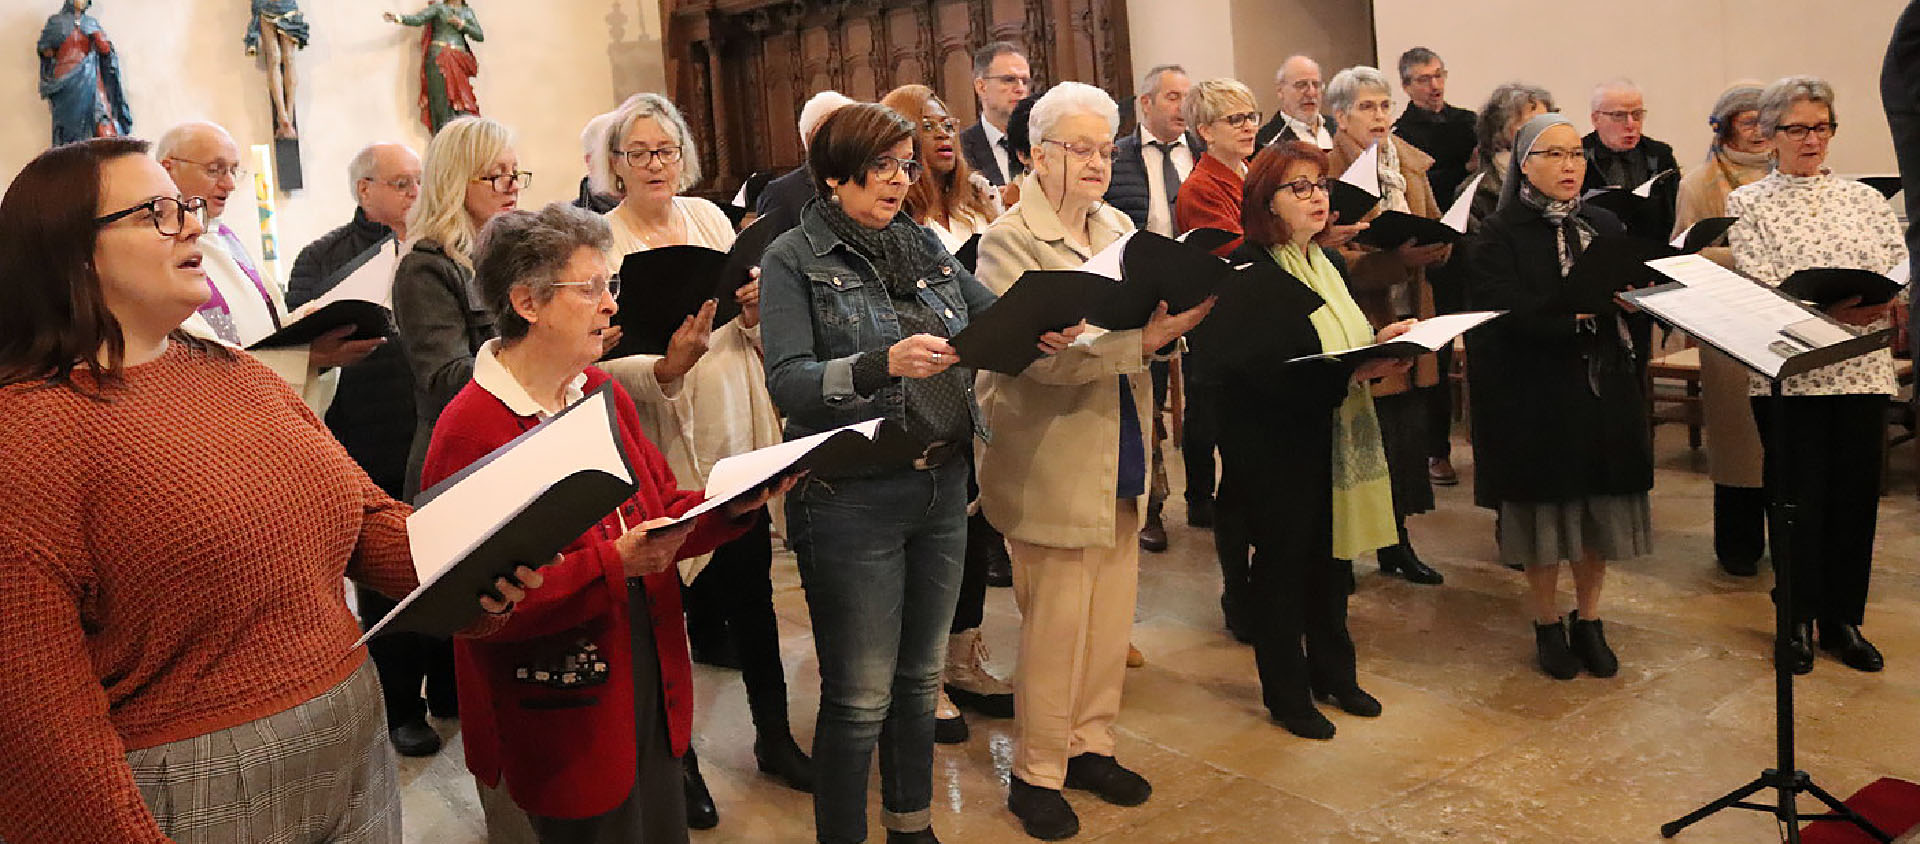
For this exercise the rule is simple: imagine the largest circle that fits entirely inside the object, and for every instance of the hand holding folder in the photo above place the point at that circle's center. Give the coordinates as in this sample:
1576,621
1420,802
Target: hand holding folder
661,287
358,296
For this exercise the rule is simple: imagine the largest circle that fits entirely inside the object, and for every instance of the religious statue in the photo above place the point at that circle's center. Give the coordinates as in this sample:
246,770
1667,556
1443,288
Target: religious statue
277,27
447,65
80,77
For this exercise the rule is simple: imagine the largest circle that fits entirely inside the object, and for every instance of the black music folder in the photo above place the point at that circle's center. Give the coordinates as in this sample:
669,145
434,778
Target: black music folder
969,254
358,294
1826,286
1425,337
660,288
1625,202
1393,228
747,250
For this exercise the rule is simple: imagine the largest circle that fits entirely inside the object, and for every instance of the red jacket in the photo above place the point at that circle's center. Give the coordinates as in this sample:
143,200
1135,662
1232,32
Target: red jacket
1210,199
567,751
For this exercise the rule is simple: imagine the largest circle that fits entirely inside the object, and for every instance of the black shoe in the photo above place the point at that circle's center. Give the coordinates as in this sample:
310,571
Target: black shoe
950,730
1309,724
779,757
1237,623
1744,567
992,706
1589,642
1200,513
415,738
1400,559
1352,701
924,836
1555,655
701,813
1153,537
716,650
1799,647
1106,778
1043,813
1853,649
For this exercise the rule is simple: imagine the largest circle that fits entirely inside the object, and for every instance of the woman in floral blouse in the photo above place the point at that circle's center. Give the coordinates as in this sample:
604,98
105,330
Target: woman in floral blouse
1802,216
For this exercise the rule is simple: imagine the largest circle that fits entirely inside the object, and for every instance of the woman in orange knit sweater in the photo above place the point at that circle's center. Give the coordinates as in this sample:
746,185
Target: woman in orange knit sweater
176,656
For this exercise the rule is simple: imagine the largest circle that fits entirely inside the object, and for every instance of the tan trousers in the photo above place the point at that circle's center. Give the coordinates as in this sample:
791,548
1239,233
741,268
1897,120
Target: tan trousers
1076,619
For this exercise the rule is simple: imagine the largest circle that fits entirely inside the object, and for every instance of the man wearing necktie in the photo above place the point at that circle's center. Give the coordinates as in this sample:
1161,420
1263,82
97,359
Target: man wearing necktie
1001,79
244,307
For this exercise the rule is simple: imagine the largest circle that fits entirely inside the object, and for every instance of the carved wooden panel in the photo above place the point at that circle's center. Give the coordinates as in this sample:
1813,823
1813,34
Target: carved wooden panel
741,69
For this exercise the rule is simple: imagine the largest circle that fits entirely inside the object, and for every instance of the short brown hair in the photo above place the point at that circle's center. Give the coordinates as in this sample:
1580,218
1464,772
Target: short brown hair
849,140
1264,177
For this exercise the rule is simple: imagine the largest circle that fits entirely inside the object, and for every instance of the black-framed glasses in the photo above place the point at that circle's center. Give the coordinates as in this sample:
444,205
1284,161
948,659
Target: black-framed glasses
1240,119
1799,131
403,184
1011,79
1429,78
639,158
886,167
938,125
505,182
169,214
1304,187
215,170
1625,115
596,287
1084,151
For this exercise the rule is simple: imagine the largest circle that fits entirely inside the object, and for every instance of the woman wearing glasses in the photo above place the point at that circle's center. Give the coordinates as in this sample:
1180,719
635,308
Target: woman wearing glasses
858,304
1803,216
1223,114
1065,474
1391,285
704,400
1562,450
160,675
577,706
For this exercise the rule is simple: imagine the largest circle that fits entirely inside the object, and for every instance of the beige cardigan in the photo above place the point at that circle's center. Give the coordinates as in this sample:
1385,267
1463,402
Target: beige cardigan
1050,472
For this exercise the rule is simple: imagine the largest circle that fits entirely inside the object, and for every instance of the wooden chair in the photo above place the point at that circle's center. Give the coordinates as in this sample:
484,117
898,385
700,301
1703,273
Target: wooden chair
1680,402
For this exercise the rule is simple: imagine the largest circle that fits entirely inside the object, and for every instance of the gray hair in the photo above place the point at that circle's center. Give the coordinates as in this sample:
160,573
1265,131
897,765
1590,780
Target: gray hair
1069,98
365,165
637,107
1618,84
173,139
530,249
1741,97
1347,85
1281,74
1150,84
1783,93
1210,99
1502,105
983,57
1414,58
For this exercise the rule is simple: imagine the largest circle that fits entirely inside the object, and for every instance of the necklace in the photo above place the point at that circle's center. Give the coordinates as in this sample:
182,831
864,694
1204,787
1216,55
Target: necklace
660,235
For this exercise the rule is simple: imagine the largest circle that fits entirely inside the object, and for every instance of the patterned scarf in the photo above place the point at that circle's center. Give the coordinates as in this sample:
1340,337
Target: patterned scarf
898,251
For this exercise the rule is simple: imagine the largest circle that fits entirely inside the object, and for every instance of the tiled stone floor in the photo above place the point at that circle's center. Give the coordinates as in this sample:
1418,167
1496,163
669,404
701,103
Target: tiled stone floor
1475,744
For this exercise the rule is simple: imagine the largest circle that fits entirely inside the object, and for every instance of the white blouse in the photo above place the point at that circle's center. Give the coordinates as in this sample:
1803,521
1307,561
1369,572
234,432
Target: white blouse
1791,223
962,227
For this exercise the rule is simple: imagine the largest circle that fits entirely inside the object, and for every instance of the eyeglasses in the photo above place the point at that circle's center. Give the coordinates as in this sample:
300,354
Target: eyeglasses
1304,187
1799,131
1082,151
508,181
1236,121
1306,85
402,184
596,287
941,126
886,167
215,170
1636,115
1429,78
637,158
1011,79
169,214
1560,155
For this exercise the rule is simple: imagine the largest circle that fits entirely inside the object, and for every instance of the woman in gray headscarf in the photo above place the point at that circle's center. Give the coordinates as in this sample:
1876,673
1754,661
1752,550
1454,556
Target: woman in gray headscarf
1563,451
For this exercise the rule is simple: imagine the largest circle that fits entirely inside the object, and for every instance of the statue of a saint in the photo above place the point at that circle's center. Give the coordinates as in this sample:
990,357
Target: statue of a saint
80,77
277,28
447,65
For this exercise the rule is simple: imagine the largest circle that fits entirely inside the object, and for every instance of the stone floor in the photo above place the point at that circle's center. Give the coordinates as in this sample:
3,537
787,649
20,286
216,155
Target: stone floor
1475,745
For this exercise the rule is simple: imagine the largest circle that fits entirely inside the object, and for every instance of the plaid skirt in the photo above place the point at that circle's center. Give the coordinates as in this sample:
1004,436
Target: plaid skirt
322,771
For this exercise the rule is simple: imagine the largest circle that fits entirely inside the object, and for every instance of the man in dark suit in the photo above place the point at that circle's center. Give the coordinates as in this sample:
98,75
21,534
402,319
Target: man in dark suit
1439,128
1619,155
785,196
1300,87
1001,78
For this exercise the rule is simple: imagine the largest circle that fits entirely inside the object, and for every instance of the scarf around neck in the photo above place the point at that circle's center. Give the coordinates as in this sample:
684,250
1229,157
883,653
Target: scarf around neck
898,251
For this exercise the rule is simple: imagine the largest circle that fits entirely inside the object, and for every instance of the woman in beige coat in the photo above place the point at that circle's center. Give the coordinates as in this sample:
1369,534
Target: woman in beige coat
1740,156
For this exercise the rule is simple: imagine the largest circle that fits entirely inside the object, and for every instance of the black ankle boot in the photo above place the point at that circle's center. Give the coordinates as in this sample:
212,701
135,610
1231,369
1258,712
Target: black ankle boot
1589,643
1043,812
1555,655
1353,701
1845,642
1799,647
1308,724
1400,559
701,813
779,756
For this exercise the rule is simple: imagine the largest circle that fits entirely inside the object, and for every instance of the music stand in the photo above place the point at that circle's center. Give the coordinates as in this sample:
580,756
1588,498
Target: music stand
1729,312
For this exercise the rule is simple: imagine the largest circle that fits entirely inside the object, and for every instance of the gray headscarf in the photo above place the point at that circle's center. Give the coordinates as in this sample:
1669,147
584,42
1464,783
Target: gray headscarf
1523,142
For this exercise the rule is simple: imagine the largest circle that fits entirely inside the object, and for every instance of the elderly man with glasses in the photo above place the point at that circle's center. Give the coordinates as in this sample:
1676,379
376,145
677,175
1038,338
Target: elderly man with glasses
245,306
1299,86
1619,154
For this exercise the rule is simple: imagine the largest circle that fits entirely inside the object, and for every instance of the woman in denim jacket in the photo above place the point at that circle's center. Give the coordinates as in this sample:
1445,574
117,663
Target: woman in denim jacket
857,304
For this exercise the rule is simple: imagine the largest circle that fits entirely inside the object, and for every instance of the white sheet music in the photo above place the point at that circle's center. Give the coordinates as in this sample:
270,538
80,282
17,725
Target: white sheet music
1456,216
372,282
1436,332
1744,318
1902,273
734,476
1365,171
1645,189
1107,262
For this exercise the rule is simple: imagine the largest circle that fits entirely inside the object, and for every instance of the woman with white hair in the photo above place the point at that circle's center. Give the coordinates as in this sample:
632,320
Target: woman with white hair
1802,216
1070,497
1391,285
704,400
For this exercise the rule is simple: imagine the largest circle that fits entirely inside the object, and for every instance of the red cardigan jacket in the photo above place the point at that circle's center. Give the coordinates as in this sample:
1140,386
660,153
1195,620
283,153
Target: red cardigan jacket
567,751
1210,199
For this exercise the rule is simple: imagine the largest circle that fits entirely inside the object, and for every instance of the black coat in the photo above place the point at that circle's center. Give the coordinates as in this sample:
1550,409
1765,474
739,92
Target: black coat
1447,136
979,154
783,197
372,413
1649,159
1540,432
1129,190
1277,129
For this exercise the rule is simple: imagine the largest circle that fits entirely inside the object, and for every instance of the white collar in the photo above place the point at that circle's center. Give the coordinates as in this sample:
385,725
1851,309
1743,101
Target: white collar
1148,137
492,376
993,135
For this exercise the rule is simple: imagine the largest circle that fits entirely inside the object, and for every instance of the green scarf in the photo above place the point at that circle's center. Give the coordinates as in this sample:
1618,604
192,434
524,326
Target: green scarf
1362,491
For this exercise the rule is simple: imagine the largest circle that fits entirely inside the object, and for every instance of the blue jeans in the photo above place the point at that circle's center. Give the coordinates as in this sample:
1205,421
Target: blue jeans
880,560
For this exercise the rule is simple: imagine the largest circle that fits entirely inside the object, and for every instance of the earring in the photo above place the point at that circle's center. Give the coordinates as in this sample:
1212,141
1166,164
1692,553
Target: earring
619,184
834,198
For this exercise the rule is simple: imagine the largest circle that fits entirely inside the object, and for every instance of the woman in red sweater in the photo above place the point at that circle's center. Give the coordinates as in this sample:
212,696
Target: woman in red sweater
576,710
1223,113
176,654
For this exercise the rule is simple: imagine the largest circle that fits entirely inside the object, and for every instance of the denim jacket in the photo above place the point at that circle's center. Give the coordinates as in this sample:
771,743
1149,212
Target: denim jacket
822,305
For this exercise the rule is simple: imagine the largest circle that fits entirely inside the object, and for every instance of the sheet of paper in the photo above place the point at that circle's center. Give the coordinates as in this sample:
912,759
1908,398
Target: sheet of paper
1365,171
1744,318
1645,190
733,476
1437,332
1107,261
1456,216
1679,241
372,282
1902,273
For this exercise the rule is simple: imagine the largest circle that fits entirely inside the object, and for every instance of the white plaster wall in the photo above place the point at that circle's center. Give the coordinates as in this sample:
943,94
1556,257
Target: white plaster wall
1183,32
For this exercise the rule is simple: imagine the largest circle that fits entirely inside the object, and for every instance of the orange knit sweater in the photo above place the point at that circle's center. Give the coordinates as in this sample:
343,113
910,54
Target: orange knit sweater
170,565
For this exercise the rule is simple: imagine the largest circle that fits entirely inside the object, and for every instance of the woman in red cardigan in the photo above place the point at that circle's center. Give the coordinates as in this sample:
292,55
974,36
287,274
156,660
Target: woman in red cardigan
576,709
1223,113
